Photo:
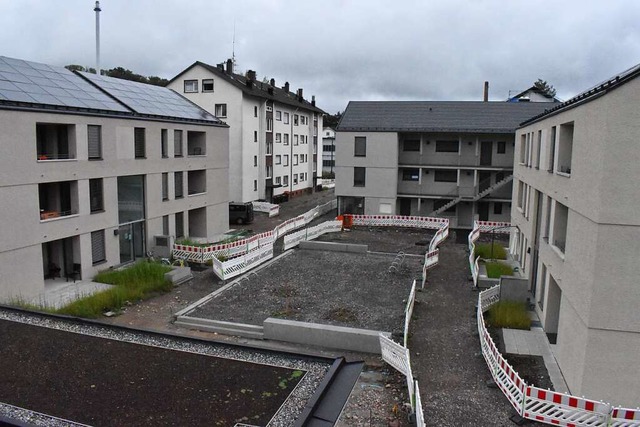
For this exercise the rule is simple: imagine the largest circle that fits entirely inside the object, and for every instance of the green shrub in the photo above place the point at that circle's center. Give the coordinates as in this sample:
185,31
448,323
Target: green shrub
483,250
497,269
189,242
509,314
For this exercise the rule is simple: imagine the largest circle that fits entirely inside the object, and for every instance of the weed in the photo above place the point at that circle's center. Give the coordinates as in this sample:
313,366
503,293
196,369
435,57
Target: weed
497,269
483,250
509,314
342,314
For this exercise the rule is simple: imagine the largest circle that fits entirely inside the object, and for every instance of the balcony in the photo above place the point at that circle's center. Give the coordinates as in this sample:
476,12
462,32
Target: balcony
196,143
55,142
58,199
196,182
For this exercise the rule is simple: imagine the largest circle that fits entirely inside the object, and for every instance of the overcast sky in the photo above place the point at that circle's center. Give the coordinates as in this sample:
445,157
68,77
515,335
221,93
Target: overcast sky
341,50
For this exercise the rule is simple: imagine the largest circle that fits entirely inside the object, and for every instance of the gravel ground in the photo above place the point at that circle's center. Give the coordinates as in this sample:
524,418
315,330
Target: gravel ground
337,288
387,239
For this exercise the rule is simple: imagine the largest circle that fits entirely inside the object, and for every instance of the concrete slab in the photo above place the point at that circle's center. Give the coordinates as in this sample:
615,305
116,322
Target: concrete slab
58,292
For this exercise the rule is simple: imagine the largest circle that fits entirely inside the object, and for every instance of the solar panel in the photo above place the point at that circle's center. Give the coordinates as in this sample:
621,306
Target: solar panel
150,99
25,81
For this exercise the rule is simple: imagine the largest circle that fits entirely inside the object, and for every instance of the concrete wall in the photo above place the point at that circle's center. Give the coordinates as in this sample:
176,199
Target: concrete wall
21,172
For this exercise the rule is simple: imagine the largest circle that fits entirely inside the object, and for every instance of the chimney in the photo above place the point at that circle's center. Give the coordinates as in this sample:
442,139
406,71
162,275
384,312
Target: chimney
485,98
251,75
229,66
300,98
272,82
286,87
313,100
97,10
220,66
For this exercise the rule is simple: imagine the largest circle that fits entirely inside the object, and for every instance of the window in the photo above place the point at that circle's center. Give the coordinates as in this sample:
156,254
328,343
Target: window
98,252
177,143
190,86
359,177
139,143
559,228
295,160
179,224
538,150
360,149
255,160
286,139
278,159
523,149
295,139
255,111
502,147
286,118
207,85
565,148
255,185
96,198
285,180
411,145
221,110
445,175
278,115
552,150
285,160
278,181
165,186
278,138
164,143
447,146
94,142
497,208
165,225
177,182
269,125
255,136
411,174
295,120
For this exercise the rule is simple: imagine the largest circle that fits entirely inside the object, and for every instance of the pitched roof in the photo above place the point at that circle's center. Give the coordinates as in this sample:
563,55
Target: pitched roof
438,116
588,95
36,86
258,89
535,90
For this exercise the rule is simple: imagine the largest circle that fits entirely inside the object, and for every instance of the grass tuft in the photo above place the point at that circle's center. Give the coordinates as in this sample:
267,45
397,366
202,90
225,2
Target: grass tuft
497,269
509,314
483,250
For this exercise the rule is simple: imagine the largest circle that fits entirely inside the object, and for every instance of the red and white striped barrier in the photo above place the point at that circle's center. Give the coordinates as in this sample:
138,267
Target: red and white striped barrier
478,228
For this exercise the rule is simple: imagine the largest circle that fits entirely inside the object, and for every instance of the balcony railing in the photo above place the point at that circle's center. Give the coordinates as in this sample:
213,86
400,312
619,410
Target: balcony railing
55,156
47,215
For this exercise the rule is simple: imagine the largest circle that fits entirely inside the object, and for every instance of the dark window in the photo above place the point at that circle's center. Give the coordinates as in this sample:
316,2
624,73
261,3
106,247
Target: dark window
502,147
410,174
94,141
190,86
165,186
207,85
164,143
447,146
411,145
96,199
445,176
221,110
177,182
98,252
165,225
177,143
359,177
497,208
179,224
139,142
255,136
360,146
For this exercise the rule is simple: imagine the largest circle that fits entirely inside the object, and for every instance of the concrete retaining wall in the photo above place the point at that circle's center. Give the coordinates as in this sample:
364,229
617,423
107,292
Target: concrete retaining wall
330,336
334,247
514,289
179,275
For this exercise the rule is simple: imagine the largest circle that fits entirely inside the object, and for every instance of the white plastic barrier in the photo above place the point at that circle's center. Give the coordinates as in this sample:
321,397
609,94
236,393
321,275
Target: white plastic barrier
270,208
310,233
478,228
236,266
408,312
398,357
418,408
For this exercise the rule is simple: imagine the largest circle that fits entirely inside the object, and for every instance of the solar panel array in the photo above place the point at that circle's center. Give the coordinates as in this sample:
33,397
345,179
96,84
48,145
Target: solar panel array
24,81
149,99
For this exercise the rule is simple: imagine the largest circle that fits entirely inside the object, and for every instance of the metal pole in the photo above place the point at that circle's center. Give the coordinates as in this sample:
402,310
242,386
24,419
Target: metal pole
97,10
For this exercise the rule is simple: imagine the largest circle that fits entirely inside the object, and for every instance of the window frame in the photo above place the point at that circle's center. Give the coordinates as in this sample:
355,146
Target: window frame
443,146
98,143
437,172
502,147
139,143
406,149
192,90
360,146
220,110
98,242
206,82
278,115
100,187
357,180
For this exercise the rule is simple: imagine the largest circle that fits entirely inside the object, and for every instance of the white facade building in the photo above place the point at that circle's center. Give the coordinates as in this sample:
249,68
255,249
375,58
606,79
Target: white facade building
576,198
92,168
273,137
328,151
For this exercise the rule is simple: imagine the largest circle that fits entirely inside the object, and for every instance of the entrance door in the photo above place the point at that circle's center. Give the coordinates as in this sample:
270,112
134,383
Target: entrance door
405,207
131,241
483,211
486,149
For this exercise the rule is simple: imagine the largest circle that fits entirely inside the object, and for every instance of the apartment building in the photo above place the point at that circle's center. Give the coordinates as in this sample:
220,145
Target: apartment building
576,198
449,159
92,168
328,151
273,136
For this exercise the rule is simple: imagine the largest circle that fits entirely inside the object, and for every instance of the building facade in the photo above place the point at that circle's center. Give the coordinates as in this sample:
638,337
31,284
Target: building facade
94,168
328,151
576,198
448,159
273,136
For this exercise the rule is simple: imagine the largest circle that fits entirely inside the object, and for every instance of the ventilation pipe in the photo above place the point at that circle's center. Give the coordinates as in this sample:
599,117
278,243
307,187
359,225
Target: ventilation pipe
485,98
97,10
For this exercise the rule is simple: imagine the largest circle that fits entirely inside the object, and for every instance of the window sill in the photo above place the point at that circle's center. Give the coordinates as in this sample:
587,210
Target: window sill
98,211
165,199
95,159
557,251
359,186
564,174
57,218
56,160
179,197
196,194
102,261
140,158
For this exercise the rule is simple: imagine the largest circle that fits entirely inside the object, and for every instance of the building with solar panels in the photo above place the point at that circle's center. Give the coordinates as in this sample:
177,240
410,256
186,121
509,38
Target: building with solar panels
273,136
93,168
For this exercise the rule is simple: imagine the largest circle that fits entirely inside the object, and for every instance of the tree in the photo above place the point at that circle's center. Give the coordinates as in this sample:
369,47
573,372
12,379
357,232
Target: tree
122,73
331,120
545,88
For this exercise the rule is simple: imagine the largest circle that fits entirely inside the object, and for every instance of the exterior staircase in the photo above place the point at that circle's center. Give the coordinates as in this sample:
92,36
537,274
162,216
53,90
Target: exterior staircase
475,198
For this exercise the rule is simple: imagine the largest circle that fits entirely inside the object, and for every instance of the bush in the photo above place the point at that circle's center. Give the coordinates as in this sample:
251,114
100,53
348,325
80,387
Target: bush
483,250
497,269
509,314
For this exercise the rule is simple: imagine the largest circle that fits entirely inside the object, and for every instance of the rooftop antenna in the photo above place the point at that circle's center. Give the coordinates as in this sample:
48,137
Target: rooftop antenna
97,10
233,45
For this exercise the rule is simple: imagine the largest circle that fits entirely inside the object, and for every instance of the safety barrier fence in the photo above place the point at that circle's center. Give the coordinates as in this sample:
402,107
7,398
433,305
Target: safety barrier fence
239,265
202,254
270,208
540,405
310,233
478,228
408,312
